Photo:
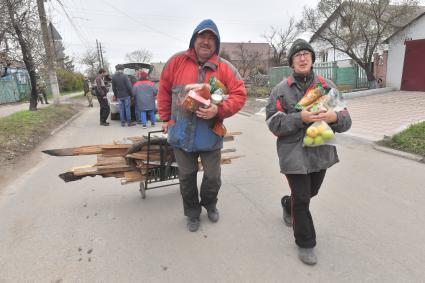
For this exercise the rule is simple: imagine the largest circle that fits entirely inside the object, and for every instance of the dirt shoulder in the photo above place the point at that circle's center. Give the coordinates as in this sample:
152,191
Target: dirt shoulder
22,132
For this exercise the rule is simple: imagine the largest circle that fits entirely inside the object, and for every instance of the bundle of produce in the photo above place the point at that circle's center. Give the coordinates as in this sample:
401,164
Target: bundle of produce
195,96
311,96
203,95
320,133
218,90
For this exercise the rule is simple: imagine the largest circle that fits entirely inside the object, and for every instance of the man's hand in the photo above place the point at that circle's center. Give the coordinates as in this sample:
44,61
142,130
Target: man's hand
165,127
207,113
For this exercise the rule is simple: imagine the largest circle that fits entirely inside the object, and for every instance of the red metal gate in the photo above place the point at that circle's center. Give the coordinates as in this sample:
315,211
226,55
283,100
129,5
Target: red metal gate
413,77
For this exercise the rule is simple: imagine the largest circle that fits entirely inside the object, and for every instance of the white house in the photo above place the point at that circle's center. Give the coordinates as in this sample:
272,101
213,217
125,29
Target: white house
338,21
406,56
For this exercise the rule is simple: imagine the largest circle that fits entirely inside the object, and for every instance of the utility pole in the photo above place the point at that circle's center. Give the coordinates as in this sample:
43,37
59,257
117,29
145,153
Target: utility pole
53,43
99,58
49,52
101,55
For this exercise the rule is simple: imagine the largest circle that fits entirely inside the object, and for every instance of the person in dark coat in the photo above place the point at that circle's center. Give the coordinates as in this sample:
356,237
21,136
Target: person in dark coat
121,87
304,167
145,92
101,94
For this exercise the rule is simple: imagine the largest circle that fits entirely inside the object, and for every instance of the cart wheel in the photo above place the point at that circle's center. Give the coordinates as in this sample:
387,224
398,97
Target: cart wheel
142,190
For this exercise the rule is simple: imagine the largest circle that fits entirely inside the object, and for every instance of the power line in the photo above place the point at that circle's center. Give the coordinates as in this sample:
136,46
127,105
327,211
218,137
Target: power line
169,18
142,23
78,32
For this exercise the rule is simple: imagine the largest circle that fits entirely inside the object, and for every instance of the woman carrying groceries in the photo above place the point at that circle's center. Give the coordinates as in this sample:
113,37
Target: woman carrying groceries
304,167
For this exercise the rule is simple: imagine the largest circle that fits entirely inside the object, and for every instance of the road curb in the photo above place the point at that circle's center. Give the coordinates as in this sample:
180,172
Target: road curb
355,94
66,123
399,153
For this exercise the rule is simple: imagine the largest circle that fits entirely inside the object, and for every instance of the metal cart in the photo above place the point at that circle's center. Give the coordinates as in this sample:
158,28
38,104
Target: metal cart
165,170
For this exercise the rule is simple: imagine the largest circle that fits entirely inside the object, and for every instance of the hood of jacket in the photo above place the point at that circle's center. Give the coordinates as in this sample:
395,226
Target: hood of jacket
206,25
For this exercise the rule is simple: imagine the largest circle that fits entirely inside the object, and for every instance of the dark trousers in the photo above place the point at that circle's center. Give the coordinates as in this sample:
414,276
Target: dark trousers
211,181
303,188
42,95
104,108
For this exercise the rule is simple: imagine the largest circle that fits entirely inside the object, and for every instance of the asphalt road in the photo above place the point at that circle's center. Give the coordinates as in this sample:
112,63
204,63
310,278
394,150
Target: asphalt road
369,219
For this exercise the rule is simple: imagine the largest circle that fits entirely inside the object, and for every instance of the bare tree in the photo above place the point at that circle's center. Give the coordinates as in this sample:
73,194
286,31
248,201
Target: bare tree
279,39
225,55
17,12
247,61
356,27
4,26
141,55
30,27
91,60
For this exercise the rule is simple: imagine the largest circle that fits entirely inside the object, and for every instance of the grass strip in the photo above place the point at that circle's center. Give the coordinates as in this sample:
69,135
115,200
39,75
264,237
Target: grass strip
23,130
410,140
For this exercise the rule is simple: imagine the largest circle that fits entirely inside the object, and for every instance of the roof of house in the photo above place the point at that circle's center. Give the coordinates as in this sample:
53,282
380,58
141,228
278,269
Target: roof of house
233,49
399,23
419,13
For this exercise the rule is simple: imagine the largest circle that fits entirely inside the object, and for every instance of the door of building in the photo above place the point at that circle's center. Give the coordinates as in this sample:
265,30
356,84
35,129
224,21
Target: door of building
413,77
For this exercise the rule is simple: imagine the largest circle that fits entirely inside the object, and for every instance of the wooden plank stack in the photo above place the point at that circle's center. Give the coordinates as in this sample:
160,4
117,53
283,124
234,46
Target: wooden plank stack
132,160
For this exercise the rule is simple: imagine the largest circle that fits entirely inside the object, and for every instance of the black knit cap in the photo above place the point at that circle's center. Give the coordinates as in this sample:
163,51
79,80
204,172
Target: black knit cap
298,45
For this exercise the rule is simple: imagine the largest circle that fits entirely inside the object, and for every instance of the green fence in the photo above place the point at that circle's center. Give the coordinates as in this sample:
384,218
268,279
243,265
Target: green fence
14,87
344,77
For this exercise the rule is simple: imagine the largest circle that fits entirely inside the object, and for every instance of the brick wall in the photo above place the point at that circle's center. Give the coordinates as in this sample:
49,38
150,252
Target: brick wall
380,67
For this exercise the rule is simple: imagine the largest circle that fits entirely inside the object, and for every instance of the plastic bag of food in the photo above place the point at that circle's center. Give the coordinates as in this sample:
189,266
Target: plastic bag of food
195,96
320,104
310,96
319,133
218,90
218,94
216,85
335,101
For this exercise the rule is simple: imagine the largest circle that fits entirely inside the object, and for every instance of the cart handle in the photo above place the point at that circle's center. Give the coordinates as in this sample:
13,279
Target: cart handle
149,149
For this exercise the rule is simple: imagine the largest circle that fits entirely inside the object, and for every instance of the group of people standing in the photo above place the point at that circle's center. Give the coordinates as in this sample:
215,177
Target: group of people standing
142,93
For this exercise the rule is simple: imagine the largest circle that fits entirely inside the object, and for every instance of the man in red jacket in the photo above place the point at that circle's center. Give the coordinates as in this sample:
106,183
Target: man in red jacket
189,132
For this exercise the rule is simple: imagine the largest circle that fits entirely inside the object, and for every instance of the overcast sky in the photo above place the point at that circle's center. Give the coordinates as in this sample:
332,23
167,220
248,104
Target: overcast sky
163,27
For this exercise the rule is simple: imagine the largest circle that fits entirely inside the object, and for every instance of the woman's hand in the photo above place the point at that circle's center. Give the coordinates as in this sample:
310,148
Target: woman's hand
328,117
322,115
310,117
